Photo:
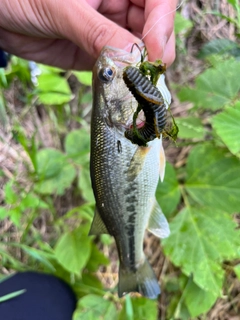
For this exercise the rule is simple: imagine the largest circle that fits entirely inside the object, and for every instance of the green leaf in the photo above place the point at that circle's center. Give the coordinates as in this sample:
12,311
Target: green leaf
73,249
216,87
10,196
143,309
3,112
15,215
213,178
226,124
53,89
85,185
40,256
3,79
237,270
190,128
197,300
93,307
89,284
182,25
85,77
55,174
235,4
3,213
168,192
77,146
96,259
220,46
30,201
12,295
200,240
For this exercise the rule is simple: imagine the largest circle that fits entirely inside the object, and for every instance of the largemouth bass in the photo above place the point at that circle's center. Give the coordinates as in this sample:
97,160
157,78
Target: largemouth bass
124,175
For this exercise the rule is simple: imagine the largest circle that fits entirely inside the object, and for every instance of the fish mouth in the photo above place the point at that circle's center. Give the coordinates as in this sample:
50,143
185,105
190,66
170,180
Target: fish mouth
140,121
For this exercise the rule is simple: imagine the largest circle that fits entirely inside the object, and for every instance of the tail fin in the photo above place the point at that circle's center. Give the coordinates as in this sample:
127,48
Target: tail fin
143,280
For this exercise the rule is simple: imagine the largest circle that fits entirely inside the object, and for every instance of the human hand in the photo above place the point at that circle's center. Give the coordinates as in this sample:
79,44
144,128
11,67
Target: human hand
70,34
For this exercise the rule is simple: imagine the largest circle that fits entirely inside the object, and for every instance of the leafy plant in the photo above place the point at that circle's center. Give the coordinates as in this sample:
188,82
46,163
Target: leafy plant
200,199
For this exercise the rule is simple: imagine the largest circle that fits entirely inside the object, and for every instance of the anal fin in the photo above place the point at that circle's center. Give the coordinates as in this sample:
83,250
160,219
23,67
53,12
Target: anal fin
157,223
98,227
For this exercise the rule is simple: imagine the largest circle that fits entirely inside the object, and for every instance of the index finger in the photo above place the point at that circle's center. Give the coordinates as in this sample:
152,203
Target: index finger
159,16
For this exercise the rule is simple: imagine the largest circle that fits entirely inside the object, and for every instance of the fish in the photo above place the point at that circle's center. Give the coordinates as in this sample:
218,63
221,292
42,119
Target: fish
124,175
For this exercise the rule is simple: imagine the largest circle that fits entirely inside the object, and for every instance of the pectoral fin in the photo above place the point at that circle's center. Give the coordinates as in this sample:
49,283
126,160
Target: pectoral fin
162,162
137,162
98,227
157,223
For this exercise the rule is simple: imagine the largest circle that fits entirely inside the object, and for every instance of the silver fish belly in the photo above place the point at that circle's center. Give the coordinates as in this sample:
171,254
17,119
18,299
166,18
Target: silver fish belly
124,176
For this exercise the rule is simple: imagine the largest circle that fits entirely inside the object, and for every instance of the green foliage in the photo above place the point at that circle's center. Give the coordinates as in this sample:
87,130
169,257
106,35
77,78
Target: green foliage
220,46
139,309
93,307
168,192
11,295
54,173
203,233
190,128
84,77
199,198
226,125
215,87
70,252
182,25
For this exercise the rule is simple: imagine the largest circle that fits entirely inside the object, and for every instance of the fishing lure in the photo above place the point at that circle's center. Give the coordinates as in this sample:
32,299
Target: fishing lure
150,101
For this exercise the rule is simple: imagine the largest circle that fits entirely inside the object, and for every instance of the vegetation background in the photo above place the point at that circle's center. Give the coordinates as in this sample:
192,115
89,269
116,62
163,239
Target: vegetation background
46,197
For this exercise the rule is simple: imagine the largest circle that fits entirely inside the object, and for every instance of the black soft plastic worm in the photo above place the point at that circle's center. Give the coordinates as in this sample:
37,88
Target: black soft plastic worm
150,101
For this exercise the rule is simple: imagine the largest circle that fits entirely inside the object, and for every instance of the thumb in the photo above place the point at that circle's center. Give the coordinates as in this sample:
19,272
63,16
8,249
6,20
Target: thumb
91,31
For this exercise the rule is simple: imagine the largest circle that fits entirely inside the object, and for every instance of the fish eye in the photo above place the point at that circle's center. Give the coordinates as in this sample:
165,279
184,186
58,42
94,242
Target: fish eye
106,74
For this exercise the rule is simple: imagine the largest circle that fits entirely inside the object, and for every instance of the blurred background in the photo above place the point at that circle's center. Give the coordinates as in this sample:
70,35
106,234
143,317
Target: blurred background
46,198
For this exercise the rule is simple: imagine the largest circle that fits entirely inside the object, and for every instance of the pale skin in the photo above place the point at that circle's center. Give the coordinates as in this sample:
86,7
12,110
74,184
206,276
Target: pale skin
70,34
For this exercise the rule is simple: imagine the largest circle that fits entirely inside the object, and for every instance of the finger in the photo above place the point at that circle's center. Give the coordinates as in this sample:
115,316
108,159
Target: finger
139,3
157,32
135,19
59,53
92,31
169,52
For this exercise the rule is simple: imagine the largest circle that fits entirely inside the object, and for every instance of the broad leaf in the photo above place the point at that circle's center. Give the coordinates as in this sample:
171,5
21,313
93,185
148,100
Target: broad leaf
3,213
182,25
190,128
10,196
96,259
220,46
226,125
168,192
201,238
216,87
213,178
237,270
197,300
55,174
77,145
84,184
73,249
93,307
85,77
53,89
143,309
